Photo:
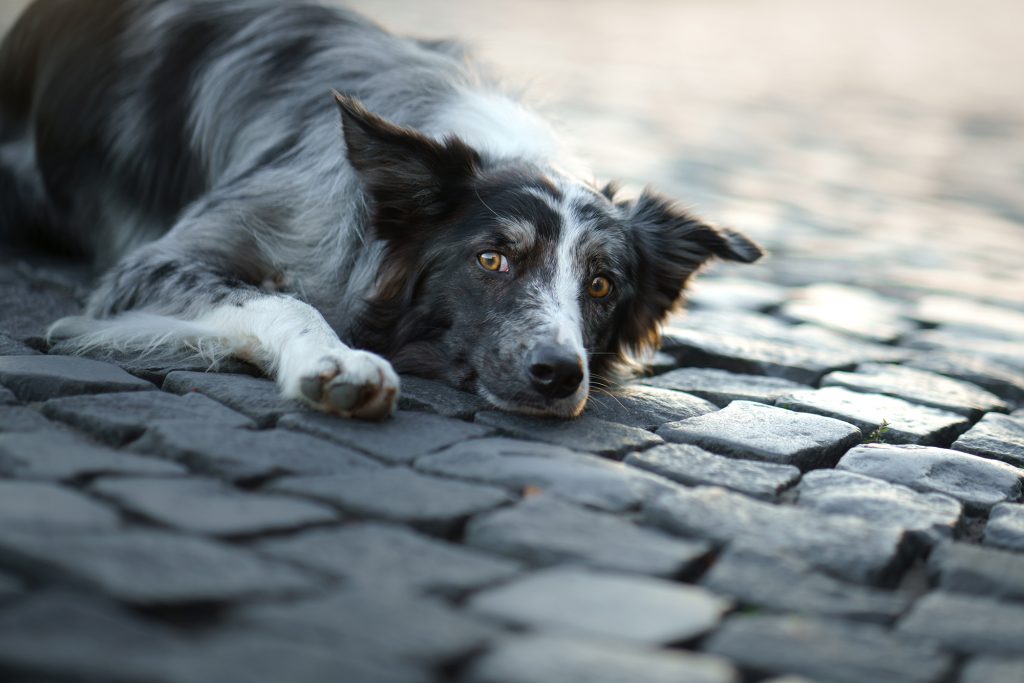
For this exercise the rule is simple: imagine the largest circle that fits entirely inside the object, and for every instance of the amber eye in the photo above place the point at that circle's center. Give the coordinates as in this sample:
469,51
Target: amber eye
599,287
493,261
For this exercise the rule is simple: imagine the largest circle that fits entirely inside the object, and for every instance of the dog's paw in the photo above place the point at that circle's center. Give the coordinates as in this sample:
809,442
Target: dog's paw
351,384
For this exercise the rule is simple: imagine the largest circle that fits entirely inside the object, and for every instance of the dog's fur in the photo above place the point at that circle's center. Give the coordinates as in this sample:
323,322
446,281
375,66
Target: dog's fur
194,148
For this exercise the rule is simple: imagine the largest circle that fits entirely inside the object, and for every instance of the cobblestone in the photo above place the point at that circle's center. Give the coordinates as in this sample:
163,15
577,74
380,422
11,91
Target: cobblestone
1000,379
546,531
254,397
436,397
389,558
47,510
851,310
646,407
37,378
989,669
1000,437
588,603
7,397
967,623
722,387
976,482
1005,527
12,347
904,422
693,466
55,455
965,568
758,432
585,433
827,650
22,419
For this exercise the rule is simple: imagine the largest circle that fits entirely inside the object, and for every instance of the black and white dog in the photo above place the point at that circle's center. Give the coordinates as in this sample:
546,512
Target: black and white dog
194,148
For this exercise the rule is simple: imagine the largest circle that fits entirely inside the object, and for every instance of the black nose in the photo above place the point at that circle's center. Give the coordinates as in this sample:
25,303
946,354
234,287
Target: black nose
555,372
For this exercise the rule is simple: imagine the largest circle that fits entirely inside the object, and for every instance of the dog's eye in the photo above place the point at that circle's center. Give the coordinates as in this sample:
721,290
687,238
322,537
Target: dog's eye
599,287
493,261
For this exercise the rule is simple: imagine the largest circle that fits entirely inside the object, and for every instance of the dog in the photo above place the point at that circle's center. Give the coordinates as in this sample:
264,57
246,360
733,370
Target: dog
290,184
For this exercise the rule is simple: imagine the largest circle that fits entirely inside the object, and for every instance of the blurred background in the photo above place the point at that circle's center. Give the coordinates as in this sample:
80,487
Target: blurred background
876,142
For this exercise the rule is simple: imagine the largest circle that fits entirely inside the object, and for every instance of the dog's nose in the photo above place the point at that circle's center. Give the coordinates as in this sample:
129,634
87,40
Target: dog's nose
555,371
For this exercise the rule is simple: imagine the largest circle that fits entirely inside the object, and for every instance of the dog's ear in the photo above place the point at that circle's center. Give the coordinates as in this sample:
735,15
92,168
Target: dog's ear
672,244
411,179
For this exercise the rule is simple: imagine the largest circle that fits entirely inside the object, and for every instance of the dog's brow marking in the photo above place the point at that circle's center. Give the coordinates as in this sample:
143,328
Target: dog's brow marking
520,233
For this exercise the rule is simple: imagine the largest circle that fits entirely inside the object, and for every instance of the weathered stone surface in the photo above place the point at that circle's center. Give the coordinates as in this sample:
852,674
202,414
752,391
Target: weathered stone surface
22,419
627,608
398,494
825,650
37,378
9,586
1005,527
244,454
255,397
121,417
542,530
964,568
970,315
1001,379
1000,437
846,547
788,583
51,454
849,310
735,293
7,398
153,567
1003,352
977,482
583,433
401,626
691,465
401,439
905,422
43,508
722,387
437,397
986,669
521,465
967,623
207,506
386,559
547,658
918,386
9,346
645,407
758,432
929,517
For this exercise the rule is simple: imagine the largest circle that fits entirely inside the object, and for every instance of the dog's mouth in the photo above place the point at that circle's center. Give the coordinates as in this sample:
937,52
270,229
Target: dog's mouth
528,404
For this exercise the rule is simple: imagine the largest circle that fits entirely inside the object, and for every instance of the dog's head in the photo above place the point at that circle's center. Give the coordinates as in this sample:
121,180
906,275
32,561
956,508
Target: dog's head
512,280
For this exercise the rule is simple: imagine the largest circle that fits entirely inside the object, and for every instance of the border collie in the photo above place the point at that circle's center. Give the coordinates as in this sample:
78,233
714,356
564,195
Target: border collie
419,214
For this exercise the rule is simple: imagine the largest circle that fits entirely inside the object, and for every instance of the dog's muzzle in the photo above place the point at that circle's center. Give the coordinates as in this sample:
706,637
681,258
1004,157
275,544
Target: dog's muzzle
555,371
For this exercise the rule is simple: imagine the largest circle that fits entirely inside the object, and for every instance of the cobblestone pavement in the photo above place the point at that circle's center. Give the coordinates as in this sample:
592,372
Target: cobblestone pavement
822,480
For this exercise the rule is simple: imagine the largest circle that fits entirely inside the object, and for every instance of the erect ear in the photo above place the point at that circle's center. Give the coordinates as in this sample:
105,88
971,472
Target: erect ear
411,179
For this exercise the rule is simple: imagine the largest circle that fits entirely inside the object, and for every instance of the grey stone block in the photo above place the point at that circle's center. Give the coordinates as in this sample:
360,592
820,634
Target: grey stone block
523,465
1000,437
254,397
46,509
153,567
402,439
436,397
827,651
542,530
967,623
645,407
207,506
627,608
693,466
583,433
37,378
722,387
918,386
399,495
10,586
403,627
52,454
1001,379
970,315
787,583
729,293
849,310
387,559
9,346
846,547
121,417
986,669
977,482
758,432
7,397
1005,527
548,658
928,517
22,419
244,454
964,568
906,422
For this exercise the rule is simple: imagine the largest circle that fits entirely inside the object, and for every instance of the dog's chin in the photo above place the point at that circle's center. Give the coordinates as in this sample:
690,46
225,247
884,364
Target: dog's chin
566,408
